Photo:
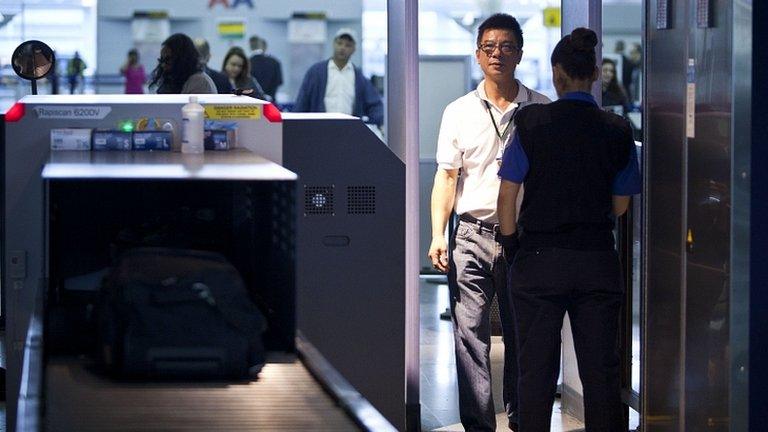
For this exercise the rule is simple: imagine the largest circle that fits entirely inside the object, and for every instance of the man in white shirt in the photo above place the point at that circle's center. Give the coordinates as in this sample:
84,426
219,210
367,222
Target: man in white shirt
473,132
340,87
337,85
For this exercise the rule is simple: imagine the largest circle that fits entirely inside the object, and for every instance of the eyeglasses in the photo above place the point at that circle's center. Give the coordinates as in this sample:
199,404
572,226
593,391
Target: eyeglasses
506,48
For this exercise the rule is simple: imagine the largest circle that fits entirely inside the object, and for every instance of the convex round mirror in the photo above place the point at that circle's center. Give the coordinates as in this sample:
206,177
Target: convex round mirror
33,60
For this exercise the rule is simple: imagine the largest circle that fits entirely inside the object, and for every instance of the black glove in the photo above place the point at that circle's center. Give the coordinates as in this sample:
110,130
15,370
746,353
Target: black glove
510,245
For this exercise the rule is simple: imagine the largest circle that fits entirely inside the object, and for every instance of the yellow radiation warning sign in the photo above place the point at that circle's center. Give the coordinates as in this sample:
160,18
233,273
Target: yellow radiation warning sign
233,112
552,17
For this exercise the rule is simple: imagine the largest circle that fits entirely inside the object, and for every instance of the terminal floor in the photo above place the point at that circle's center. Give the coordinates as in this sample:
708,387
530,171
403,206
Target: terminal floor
439,394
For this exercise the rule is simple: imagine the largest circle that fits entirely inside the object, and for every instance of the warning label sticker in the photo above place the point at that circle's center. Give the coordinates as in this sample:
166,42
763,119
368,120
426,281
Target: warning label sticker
233,112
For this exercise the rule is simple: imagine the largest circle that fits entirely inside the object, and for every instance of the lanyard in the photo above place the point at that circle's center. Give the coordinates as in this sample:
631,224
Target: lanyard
511,117
493,121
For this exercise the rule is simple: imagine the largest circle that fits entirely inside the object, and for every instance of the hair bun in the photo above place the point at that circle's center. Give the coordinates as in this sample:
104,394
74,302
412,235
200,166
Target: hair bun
583,39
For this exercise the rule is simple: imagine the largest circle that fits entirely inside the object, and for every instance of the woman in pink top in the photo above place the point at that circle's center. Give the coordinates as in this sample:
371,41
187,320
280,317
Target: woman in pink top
134,74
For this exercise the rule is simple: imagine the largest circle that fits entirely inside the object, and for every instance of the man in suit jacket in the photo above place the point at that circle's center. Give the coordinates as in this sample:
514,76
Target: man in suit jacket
219,79
336,85
265,68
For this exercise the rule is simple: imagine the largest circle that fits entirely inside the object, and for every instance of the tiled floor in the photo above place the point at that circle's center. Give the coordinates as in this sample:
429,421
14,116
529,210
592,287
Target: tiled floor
439,394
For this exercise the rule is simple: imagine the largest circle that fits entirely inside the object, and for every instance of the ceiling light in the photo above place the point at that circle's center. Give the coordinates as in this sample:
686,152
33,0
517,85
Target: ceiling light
468,19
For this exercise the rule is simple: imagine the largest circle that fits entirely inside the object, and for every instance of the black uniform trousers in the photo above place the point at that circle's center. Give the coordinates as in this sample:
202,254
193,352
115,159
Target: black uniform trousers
546,283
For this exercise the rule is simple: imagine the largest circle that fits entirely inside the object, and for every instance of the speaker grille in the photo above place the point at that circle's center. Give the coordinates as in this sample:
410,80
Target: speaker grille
361,199
318,200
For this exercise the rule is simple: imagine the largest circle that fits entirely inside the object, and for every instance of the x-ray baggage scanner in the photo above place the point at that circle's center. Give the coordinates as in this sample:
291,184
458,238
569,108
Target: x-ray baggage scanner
323,253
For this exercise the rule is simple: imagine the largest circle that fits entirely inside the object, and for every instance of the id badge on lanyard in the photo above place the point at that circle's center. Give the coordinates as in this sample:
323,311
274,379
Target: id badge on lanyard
502,141
501,134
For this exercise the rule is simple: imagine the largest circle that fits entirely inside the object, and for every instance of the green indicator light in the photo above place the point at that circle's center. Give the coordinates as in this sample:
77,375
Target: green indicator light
126,126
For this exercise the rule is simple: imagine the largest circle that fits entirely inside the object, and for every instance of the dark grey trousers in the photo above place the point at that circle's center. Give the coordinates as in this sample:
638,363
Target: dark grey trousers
478,272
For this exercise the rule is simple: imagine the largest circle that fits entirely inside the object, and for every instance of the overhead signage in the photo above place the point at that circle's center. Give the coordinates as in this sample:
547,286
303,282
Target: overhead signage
152,14
230,4
72,112
231,29
552,17
233,112
307,28
309,15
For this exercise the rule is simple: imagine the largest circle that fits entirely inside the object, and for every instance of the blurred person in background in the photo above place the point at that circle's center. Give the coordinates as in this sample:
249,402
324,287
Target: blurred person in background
237,69
626,65
337,85
613,93
219,79
75,69
633,84
178,68
265,68
53,78
134,73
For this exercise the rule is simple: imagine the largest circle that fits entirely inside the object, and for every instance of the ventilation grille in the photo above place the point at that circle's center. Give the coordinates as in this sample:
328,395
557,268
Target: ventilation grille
283,197
318,200
361,200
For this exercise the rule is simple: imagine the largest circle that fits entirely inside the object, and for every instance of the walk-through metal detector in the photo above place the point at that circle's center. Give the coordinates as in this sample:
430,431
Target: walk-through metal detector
701,247
703,340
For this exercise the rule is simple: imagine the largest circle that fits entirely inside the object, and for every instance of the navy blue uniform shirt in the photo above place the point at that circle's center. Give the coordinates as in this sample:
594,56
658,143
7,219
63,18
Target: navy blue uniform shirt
514,163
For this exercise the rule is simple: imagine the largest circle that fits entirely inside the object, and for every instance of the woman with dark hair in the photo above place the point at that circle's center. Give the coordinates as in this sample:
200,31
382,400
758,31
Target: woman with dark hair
179,69
579,167
613,93
237,68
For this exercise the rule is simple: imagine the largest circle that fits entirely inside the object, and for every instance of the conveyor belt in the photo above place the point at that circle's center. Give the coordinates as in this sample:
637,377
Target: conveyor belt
284,398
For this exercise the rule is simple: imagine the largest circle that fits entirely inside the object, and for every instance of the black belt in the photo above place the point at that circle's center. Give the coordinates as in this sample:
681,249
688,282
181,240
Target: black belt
481,224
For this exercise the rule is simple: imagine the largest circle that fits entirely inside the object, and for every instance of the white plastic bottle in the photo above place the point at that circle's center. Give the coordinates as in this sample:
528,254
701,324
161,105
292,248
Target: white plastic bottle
192,117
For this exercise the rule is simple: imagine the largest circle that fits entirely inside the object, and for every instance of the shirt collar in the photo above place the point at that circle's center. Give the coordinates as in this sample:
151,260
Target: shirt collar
580,96
332,65
522,94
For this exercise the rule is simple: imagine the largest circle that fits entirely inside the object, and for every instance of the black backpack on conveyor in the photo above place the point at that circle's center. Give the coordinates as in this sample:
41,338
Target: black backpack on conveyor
178,313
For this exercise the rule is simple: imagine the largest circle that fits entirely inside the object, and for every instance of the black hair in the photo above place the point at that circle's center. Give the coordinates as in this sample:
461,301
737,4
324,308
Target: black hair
501,21
613,86
184,61
575,53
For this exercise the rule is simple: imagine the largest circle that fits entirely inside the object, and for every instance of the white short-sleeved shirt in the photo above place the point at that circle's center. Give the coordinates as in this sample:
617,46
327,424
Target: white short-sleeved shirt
468,141
340,88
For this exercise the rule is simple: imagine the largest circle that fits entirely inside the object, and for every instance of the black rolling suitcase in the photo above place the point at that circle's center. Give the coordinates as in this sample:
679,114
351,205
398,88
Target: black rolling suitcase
178,313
